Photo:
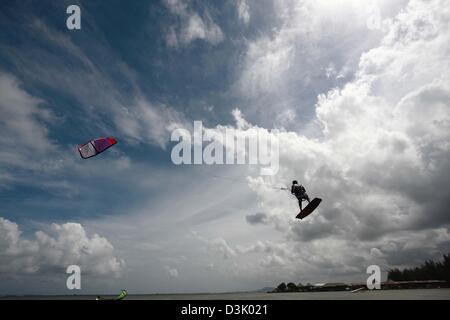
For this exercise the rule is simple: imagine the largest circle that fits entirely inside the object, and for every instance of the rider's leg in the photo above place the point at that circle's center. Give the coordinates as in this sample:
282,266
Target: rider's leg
307,198
300,204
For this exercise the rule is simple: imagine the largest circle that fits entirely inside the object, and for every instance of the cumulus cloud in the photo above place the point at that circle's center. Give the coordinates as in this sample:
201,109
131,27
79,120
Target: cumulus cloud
26,146
380,162
192,25
257,218
68,244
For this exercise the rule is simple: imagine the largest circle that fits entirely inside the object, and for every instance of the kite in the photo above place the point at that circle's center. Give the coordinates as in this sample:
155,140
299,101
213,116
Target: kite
95,147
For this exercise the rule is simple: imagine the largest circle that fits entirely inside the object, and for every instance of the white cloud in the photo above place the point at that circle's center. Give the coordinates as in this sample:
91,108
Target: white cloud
286,68
172,272
26,146
149,123
243,10
192,26
24,139
67,245
22,118
380,161
241,123
221,246
380,164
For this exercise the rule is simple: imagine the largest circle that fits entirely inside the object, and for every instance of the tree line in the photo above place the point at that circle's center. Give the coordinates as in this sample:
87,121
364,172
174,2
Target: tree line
430,270
292,287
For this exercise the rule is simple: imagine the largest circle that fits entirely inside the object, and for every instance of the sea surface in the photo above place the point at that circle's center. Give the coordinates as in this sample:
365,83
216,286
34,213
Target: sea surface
413,294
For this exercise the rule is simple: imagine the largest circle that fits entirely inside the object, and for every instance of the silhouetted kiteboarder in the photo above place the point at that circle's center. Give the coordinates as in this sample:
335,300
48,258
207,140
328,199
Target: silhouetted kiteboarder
299,192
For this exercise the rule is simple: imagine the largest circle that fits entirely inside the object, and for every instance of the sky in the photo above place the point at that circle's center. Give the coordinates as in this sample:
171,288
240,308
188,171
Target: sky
356,93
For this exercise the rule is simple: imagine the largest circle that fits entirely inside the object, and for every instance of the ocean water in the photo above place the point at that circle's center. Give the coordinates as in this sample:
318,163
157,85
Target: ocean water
413,294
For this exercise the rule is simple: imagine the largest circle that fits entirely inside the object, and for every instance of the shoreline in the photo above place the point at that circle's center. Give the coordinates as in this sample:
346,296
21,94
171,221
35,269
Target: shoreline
391,294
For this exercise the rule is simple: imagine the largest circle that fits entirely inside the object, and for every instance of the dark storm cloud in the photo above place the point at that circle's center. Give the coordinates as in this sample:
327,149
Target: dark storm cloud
308,232
257,218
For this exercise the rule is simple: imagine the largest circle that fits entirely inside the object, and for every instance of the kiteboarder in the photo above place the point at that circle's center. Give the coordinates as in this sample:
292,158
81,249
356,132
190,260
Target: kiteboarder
299,192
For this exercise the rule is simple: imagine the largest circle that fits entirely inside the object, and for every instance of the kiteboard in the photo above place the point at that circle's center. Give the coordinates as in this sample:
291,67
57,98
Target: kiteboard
309,208
121,296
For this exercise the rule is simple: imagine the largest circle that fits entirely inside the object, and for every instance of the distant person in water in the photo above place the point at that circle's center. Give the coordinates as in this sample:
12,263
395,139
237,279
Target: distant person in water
299,192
